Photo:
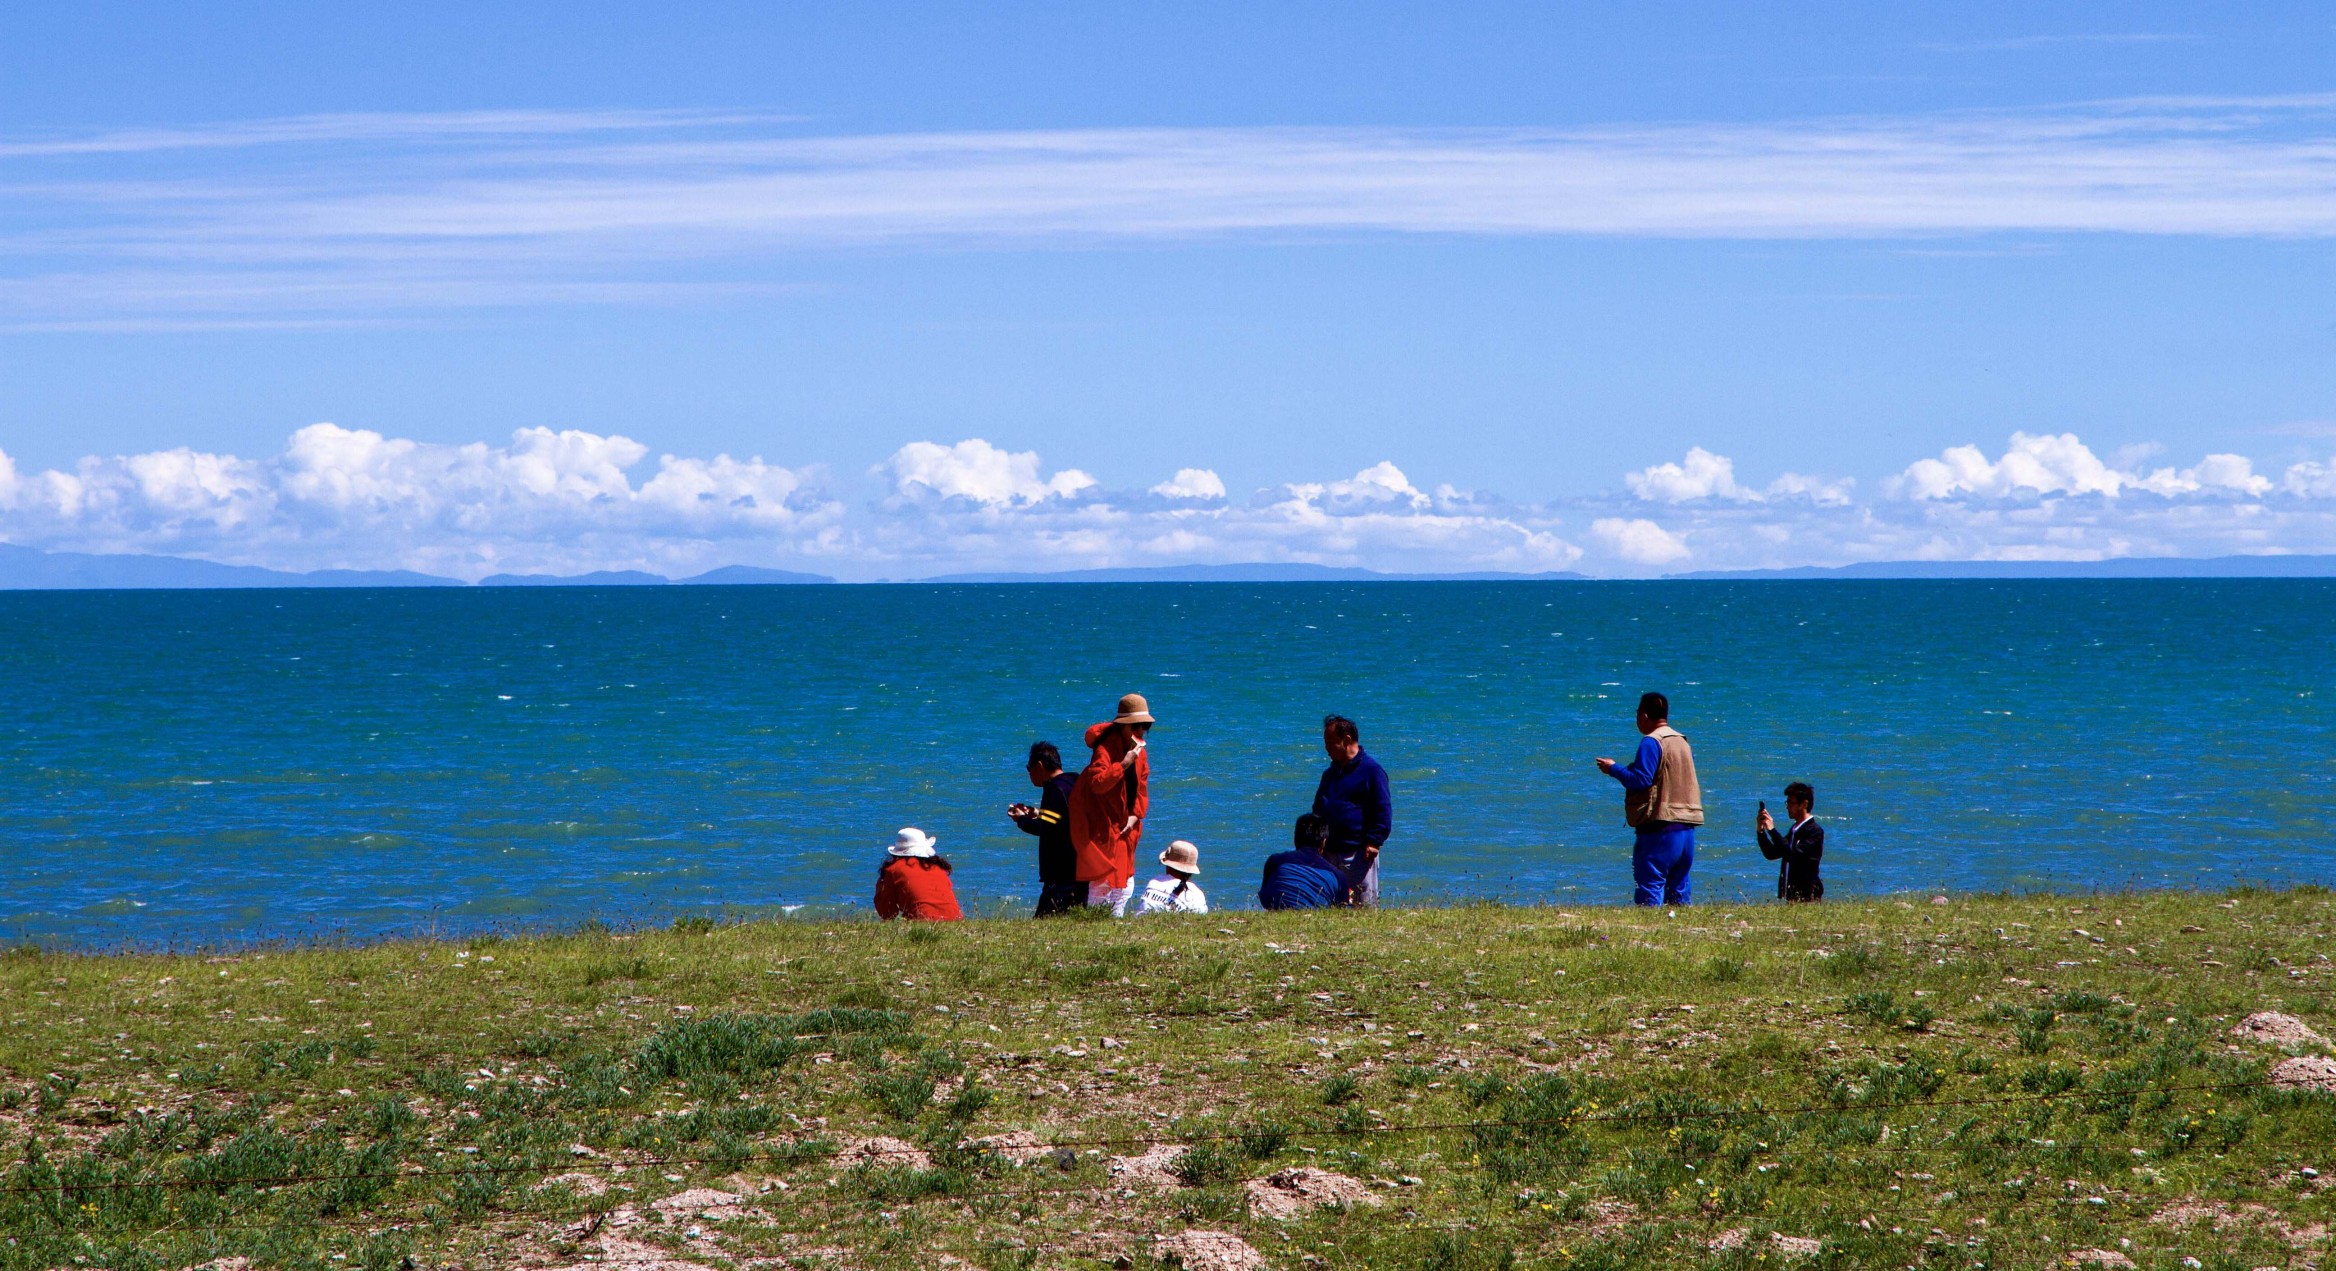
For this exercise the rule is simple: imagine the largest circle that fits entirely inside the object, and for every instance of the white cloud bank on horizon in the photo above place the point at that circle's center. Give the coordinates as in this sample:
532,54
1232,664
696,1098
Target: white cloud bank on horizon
344,217
572,502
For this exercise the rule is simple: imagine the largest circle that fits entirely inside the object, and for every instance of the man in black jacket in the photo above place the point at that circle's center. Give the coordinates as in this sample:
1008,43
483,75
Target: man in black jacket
1798,848
1059,888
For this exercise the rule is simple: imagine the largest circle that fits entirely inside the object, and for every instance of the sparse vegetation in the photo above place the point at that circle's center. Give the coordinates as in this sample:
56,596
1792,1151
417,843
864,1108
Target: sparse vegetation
1991,1083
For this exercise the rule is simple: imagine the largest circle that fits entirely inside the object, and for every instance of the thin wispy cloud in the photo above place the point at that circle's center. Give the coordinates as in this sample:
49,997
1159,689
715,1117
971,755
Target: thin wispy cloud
512,207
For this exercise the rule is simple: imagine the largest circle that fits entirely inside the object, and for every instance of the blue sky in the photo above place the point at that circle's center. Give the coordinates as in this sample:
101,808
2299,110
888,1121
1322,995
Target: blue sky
887,290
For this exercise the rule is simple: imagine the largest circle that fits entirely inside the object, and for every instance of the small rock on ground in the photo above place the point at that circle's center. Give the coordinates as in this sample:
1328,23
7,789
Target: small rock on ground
2306,1072
2271,1028
1292,1192
1208,1251
2109,1258
1797,1246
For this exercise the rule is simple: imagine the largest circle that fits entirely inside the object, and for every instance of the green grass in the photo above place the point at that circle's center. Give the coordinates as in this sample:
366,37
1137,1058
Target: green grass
1991,1083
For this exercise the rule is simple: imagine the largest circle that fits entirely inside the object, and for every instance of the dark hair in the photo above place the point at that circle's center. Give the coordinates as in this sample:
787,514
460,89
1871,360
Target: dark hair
1342,728
934,859
1044,753
1803,791
1654,706
1312,831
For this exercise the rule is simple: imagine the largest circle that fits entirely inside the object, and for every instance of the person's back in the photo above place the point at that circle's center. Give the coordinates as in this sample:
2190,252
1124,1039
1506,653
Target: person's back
1174,892
1303,878
915,884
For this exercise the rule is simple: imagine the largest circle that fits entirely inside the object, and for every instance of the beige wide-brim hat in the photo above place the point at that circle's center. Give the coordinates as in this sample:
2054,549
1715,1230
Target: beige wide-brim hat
912,841
1133,709
1181,856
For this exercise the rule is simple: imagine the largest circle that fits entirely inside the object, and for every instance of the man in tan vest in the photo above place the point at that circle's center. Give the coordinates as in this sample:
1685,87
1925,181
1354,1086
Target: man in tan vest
1662,801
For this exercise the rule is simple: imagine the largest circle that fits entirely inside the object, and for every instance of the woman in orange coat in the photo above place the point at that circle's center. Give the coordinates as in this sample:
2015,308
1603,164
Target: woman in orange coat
915,884
1109,803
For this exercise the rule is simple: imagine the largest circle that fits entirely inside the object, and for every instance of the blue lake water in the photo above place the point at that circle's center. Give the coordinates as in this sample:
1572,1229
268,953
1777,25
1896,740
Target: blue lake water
199,766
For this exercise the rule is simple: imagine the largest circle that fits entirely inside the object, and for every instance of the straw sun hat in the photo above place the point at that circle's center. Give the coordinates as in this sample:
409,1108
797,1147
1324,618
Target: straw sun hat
1181,856
1133,709
912,841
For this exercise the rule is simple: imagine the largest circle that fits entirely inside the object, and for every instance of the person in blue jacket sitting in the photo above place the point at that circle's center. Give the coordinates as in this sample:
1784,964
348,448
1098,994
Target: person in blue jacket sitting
1303,877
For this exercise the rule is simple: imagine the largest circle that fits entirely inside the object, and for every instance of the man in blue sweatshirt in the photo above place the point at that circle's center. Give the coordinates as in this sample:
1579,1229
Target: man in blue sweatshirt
1354,800
1303,878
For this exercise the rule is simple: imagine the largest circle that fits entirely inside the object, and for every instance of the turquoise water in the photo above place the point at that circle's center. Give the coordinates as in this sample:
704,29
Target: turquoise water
198,766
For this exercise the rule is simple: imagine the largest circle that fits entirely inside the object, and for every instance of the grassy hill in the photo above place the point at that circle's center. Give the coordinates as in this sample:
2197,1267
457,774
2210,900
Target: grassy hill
1981,1083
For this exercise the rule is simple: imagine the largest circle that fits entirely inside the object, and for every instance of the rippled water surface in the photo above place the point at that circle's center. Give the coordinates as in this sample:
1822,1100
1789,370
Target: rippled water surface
196,766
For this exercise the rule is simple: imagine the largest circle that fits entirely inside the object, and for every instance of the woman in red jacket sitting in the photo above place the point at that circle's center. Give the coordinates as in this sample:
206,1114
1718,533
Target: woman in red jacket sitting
914,884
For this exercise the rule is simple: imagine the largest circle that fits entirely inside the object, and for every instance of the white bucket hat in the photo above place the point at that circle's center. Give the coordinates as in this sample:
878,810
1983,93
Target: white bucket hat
912,841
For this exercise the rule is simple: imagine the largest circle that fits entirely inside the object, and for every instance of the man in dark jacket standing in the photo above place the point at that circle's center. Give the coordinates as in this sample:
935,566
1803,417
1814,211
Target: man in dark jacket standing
1059,888
1798,849
1354,800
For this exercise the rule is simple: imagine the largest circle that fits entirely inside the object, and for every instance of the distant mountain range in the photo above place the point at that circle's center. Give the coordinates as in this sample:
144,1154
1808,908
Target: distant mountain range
1262,573
29,569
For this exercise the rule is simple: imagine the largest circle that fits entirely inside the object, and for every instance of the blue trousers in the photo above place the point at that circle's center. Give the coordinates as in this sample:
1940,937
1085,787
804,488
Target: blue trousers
1659,862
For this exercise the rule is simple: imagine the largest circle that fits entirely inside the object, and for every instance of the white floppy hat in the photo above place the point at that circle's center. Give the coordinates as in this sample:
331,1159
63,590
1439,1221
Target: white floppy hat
912,841
1183,856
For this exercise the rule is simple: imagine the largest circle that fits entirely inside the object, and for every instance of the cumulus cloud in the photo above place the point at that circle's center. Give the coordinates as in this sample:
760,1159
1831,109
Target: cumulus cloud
1704,475
2036,465
1191,483
352,498
978,472
1639,541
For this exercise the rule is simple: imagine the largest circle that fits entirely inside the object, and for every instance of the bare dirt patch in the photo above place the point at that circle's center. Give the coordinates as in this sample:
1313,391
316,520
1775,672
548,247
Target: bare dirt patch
1292,1193
2305,1072
2271,1028
1208,1251
1610,1216
1018,1146
2222,1217
884,1152
699,1202
1790,1246
580,1183
1155,1168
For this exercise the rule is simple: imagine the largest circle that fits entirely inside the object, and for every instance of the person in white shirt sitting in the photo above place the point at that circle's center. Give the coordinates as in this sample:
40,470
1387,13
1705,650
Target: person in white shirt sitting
1176,893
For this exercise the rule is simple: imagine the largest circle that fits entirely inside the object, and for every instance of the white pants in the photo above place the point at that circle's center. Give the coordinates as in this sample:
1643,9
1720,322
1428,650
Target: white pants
1116,897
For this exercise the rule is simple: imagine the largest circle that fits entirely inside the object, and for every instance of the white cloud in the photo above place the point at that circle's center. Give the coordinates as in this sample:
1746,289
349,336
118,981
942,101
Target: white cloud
1703,476
2310,479
1793,485
341,497
980,472
2063,465
2215,474
1191,483
569,501
357,215
1641,542
2058,464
